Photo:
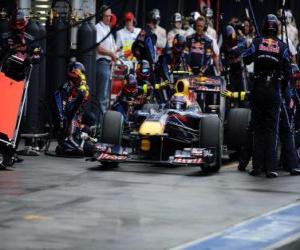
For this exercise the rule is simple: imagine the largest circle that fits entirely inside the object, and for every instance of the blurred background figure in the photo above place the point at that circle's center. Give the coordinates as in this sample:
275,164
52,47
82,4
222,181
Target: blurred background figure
153,20
248,33
292,28
282,36
192,19
233,60
248,30
210,25
127,35
177,28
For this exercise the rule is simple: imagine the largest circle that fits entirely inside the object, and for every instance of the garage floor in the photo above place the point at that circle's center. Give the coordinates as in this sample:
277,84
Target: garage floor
57,203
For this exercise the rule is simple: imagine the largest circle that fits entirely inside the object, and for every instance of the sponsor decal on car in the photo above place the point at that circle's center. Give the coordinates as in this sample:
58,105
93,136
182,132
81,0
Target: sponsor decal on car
105,156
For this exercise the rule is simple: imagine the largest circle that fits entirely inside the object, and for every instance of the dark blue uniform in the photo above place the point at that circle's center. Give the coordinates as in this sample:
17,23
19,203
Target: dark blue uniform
271,66
200,54
170,62
21,45
143,48
235,69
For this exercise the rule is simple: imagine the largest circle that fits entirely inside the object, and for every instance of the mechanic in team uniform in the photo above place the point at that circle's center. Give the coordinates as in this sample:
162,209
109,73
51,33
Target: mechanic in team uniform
133,95
174,60
18,43
179,102
143,48
272,73
153,20
203,51
289,160
295,84
233,60
69,100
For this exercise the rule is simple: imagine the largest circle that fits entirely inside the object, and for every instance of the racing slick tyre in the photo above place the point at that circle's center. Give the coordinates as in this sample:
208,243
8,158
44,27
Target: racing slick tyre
2,166
112,131
112,128
211,136
237,123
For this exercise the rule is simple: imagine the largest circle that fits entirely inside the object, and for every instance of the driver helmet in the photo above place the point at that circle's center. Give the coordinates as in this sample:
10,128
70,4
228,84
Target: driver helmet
143,70
178,101
270,25
130,86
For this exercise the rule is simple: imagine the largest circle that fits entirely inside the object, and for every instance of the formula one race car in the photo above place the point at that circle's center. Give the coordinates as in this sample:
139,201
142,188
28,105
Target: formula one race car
175,135
172,135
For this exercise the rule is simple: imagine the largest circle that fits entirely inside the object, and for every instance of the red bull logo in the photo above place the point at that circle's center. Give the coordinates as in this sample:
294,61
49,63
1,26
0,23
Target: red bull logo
269,45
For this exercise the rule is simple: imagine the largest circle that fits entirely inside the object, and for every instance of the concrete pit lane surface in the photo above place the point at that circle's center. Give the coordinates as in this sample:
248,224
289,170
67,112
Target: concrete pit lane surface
57,203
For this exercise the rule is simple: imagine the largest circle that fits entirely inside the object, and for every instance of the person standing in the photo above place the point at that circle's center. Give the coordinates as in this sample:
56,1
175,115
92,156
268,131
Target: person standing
210,26
105,56
272,73
233,60
177,28
153,20
281,34
203,51
192,19
127,35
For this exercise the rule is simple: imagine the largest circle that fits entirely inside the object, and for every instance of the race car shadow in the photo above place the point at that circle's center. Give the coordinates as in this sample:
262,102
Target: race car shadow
153,169
102,168
7,169
200,173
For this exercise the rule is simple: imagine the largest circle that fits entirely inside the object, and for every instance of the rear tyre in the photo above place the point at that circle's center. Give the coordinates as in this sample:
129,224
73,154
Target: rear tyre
211,136
237,124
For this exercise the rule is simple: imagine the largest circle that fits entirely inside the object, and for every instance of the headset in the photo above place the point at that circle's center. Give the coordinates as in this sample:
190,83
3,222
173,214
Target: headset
102,9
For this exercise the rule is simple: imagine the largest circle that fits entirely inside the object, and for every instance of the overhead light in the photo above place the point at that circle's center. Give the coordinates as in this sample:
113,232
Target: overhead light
42,6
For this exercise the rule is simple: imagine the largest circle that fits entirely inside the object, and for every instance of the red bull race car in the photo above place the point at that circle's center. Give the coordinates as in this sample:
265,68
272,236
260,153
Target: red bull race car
170,135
